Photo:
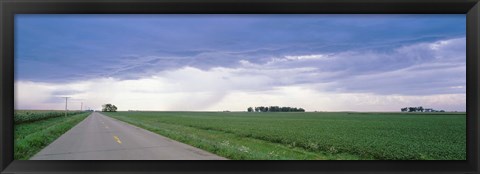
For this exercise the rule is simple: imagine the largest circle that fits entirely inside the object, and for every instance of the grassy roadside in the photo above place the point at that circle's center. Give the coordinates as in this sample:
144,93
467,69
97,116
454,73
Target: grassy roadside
230,145
32,137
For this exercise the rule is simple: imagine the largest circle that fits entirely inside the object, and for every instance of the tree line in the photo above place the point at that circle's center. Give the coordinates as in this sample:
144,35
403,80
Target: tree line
419,109
274,109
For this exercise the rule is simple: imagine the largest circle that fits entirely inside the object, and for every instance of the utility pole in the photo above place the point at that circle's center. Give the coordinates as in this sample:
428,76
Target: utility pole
66,102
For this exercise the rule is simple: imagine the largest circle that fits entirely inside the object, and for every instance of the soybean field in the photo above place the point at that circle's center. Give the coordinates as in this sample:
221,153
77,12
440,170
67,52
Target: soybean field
312,135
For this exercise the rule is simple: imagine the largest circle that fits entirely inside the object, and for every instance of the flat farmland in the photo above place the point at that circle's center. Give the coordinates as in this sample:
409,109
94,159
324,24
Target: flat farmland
312,135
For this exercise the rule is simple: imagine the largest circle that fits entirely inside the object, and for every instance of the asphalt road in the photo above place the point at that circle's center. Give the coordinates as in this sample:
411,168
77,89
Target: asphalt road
99,137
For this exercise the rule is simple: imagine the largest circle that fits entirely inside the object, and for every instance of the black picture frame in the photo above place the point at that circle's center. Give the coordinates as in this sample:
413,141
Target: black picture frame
8,9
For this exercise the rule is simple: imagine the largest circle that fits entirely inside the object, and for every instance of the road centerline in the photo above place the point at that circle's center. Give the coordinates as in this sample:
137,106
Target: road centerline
117,139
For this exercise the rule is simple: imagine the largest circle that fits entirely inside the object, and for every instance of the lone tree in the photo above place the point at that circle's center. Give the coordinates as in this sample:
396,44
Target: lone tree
109,108
250,109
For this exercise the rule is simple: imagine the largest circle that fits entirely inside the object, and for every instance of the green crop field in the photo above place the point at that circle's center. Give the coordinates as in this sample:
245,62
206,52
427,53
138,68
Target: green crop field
313,135
34,130
25,116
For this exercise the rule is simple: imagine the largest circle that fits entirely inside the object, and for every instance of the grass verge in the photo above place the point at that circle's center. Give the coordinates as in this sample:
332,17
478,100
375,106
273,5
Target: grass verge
32,137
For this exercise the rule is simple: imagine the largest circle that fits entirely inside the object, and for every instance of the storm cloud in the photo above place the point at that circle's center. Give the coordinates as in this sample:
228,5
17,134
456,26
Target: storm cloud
205,61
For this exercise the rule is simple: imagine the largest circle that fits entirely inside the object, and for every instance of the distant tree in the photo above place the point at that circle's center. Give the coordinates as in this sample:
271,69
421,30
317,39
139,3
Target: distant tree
274,109
271,109
257,109
106,107
250,109
109,108
261,109
404,109
412,109
114,108
420,109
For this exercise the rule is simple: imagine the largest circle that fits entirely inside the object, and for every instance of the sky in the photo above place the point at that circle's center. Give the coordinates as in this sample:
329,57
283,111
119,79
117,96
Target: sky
231,62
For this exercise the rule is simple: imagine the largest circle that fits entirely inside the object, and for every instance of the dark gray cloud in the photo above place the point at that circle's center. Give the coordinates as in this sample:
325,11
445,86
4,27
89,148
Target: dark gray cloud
65,48
419,69
424,68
